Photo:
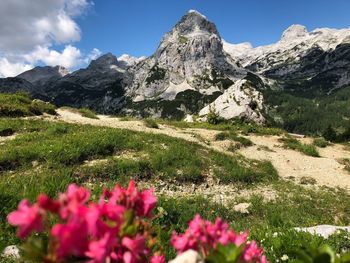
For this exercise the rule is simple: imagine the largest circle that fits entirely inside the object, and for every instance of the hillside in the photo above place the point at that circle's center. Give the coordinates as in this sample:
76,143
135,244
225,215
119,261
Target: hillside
249,175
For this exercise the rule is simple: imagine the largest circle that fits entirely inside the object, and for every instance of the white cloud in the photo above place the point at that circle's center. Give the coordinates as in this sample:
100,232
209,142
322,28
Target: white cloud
25,24
94,54
77,7
8,69
70,57
29,29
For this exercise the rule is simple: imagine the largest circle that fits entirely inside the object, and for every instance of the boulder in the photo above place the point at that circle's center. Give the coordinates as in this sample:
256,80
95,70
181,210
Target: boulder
190,256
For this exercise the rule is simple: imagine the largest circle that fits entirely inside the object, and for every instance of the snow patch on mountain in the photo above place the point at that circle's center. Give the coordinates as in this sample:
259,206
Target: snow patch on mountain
192,11
294,43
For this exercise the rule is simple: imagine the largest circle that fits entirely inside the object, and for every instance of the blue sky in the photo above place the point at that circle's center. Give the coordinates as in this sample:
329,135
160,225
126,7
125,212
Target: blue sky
136,26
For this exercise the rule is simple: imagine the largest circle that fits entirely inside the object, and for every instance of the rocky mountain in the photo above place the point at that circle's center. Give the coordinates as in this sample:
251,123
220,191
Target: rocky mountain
308,63
189,70
99,86
12,85
40,75
194,71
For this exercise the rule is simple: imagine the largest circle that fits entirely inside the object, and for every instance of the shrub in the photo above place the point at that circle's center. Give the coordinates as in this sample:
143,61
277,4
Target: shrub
320,142
85,112
329,134
213,117
151,123
221,136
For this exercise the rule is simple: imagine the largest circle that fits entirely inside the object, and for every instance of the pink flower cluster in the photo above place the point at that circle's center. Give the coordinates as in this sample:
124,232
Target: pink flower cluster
204,236
117,228
111,230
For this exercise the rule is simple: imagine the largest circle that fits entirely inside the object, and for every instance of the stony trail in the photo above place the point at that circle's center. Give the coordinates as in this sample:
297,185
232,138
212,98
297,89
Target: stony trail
290,164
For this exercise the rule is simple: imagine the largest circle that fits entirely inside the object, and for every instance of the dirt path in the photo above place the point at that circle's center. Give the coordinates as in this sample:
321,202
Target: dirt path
290,164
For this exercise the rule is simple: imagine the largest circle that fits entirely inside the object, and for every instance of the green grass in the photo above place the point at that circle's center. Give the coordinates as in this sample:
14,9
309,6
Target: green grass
87,113
21,104
69,145
294,144
229,170
234,126
320,142
127,118
62,149
245,142
271,223
151,123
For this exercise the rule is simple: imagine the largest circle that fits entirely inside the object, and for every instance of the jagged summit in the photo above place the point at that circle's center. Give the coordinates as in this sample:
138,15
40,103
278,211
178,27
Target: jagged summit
195,22
293,32
104,61
193,11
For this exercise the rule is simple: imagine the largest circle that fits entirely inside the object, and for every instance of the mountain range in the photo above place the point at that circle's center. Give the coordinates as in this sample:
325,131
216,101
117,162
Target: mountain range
194,71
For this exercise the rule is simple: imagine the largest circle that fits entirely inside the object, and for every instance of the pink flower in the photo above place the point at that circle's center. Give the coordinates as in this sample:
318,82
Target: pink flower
48,204
149,201
240,239
158,259
136,246
72,200
263,259
103,218
181,242
28,218
128,257
98,250
204,236
252,252
71,237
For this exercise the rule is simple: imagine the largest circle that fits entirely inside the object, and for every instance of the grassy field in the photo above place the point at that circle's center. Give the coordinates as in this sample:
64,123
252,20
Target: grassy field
20,105
46,157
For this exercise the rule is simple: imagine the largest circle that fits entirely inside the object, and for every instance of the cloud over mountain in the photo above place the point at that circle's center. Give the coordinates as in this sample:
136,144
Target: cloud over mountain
30,29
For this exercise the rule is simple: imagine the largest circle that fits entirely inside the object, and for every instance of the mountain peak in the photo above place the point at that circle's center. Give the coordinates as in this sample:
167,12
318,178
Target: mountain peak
40,73
294,31
103,61
194,22
192,11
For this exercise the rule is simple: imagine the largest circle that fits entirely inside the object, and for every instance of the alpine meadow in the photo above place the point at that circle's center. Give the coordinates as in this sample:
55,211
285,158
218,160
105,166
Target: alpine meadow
202,151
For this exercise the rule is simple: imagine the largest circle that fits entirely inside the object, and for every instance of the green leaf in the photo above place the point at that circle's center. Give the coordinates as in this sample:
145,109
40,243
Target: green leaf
34,249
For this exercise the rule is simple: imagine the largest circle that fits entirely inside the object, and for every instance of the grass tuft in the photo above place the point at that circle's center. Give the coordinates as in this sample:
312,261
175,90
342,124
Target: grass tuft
294,144
320,142
245,142
151,123
85,112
